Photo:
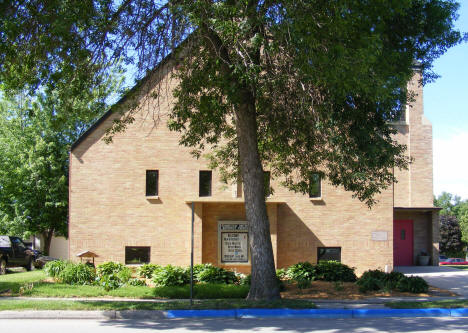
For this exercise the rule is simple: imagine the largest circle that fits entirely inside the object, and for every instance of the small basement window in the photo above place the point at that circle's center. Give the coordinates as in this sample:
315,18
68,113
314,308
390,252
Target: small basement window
315,186
329,253
204,188
135,255
152,180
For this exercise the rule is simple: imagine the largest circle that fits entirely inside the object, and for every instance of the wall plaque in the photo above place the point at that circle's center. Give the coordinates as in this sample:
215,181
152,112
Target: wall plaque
234,242
379,235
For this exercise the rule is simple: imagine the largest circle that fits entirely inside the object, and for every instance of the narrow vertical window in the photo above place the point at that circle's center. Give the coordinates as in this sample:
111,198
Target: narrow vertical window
152,179
315,186
266,183
204,189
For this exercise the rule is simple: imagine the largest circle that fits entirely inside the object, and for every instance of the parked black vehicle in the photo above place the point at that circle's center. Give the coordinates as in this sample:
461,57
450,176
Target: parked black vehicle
13,253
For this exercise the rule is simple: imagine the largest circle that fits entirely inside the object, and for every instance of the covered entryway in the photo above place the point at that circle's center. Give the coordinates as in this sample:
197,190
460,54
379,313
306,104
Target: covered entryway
403,242
215,217
415,235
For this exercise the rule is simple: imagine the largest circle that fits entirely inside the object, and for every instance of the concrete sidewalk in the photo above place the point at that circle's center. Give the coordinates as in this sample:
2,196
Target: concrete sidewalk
375,302
448,278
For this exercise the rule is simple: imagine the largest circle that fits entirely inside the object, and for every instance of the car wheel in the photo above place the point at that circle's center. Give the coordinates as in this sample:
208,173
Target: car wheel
2,266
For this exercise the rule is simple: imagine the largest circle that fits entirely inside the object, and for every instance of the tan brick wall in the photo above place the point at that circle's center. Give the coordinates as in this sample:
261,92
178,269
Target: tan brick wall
435,238
109,210
415,186
336,221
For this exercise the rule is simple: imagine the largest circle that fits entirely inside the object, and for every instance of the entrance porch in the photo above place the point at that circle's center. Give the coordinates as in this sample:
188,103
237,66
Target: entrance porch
220,232
415,233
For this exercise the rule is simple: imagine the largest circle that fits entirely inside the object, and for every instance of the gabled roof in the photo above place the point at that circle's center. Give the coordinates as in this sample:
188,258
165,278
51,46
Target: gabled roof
87,254
120,102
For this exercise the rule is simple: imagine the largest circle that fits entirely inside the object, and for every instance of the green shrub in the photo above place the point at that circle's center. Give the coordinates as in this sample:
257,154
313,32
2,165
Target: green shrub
146,270
198,268
109,282
334,271
374,280
108,268
125,274
207,273
169,276
375,274
455,254
393,278
112,275
303,273
54,268
135,282
281,284
412,284
214,291
370,283
282,274
203,291
77,273
244,280
69,272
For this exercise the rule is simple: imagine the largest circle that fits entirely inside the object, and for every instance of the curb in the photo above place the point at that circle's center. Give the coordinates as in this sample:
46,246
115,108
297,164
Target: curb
236,314
317,313
73,314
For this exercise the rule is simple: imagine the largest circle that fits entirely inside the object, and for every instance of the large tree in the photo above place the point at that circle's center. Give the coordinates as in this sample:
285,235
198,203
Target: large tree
35,140
295,86
451,243
454,206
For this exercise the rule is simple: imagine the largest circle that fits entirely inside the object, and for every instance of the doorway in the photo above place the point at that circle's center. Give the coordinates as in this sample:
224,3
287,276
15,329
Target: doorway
403,242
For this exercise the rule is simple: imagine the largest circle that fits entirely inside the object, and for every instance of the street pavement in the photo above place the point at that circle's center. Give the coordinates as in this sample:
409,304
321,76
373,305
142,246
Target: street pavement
453,279
239,325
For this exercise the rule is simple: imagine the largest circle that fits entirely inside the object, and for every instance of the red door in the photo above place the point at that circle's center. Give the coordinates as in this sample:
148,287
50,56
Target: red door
403,242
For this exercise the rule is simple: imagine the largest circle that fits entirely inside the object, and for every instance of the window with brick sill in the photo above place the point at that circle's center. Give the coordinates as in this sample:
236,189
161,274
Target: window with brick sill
152,183
204,184
137,255
315,186
329,253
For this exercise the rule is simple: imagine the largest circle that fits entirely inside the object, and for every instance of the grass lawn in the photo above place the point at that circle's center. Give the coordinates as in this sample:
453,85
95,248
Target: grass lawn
465,267
14,281
173,305
49,289
449,304
31,284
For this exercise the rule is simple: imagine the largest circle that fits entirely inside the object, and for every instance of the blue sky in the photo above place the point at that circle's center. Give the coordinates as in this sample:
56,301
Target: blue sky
446,106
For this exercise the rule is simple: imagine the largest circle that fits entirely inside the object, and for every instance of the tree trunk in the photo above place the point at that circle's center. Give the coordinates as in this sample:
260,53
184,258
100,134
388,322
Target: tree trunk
47,235
263,284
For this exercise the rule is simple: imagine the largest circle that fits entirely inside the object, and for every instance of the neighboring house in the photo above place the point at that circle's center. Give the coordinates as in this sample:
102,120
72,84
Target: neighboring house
58,246
130,201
